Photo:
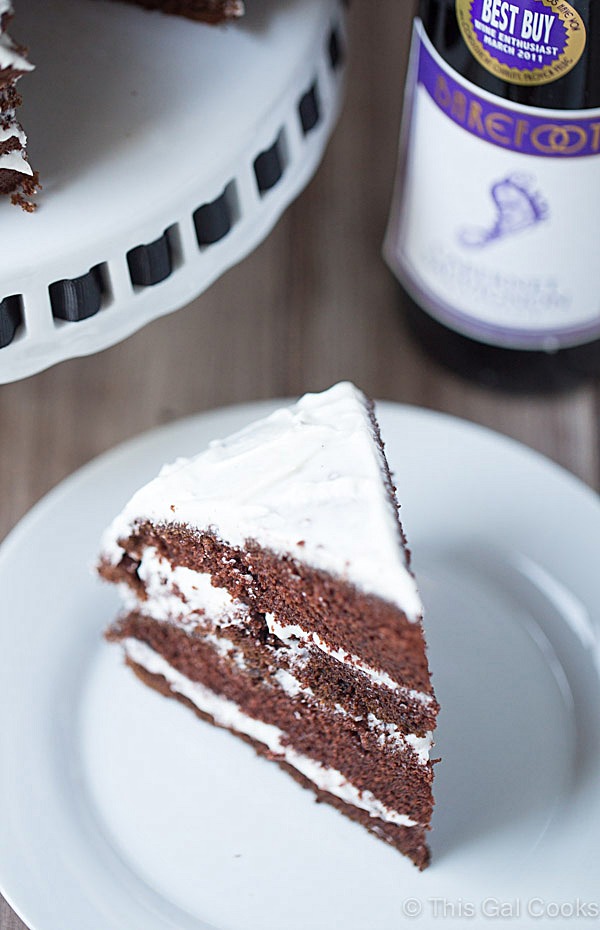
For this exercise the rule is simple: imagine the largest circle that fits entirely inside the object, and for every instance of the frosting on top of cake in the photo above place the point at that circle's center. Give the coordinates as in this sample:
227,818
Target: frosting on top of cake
307,481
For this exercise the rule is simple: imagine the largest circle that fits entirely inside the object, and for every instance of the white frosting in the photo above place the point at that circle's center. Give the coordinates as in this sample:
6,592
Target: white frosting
15,161
422,745
198,595
13,131
10,57
227,714
306,481
290,684
389,733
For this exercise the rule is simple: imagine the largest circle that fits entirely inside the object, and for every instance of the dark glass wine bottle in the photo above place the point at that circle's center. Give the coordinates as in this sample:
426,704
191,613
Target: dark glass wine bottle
494,232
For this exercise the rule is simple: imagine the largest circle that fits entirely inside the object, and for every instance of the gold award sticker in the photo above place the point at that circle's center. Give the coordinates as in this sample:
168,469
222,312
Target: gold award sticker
527,42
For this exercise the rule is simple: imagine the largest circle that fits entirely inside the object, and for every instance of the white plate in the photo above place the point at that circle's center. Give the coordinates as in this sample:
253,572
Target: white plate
121,810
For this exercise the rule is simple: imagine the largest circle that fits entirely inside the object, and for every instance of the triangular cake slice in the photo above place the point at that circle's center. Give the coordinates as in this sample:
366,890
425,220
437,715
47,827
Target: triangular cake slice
266,584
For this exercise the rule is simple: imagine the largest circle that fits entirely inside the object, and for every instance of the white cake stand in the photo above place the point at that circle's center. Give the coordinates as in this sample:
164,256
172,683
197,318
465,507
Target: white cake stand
167,151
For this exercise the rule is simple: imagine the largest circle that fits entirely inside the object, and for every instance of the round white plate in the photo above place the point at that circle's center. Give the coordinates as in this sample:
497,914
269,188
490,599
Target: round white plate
120,809
135,120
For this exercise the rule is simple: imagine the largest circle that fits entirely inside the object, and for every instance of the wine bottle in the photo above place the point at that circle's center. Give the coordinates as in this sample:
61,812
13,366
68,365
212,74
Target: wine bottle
494,231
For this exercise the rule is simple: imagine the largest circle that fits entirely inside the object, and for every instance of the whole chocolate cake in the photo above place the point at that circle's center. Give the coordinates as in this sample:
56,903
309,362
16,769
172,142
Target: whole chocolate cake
266,585
16,175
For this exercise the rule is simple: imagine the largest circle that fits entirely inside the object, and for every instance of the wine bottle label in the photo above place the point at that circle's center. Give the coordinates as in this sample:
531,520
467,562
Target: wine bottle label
523,41
496,220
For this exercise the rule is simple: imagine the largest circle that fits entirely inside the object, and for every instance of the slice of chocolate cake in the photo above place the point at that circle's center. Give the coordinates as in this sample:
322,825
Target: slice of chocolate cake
16,175
266,585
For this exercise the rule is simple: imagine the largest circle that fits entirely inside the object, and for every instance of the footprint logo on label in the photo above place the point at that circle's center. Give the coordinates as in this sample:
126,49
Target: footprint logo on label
518,207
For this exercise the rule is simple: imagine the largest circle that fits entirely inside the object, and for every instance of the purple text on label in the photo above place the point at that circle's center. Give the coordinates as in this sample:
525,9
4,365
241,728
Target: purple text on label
517,34
553,137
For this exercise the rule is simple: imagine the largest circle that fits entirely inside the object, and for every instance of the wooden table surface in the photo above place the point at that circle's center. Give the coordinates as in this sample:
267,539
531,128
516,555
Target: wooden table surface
313,305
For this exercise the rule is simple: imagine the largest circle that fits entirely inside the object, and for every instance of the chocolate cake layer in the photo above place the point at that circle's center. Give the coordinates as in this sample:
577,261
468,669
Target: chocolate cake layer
368,756
342,617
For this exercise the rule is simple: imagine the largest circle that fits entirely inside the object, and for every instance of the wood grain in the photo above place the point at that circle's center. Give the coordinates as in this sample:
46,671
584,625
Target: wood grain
312,305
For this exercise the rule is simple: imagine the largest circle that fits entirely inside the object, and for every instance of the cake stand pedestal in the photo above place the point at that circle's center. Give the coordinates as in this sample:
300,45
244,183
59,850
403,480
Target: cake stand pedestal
167,151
